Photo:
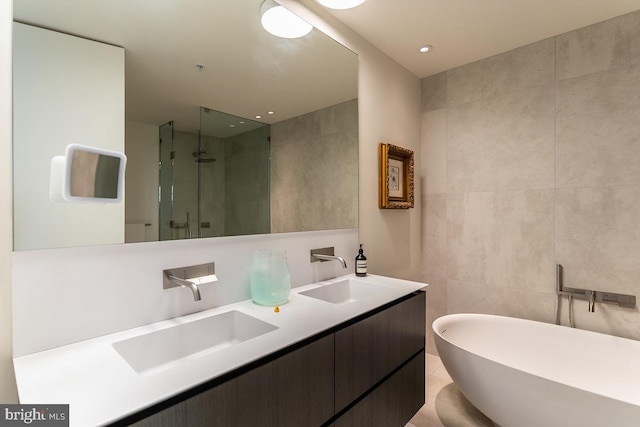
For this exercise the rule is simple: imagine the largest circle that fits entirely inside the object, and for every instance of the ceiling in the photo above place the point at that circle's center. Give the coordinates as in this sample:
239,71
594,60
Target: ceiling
165,39
463,31
246,71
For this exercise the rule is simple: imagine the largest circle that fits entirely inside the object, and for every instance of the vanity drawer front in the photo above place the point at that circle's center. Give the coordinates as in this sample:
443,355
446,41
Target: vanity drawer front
293,390
369,350
394,402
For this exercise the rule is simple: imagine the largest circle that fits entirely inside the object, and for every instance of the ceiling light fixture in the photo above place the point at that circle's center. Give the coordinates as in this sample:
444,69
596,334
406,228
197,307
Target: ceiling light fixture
426,48
281,22
340,4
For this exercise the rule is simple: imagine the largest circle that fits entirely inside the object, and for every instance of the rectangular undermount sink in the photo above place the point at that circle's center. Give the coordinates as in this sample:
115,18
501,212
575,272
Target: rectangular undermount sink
344,291
167,346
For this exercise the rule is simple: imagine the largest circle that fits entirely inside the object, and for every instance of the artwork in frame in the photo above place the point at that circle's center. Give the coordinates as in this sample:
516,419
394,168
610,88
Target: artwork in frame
396,177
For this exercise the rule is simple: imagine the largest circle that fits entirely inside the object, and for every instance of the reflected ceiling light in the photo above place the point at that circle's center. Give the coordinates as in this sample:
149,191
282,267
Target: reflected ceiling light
281,22
340,4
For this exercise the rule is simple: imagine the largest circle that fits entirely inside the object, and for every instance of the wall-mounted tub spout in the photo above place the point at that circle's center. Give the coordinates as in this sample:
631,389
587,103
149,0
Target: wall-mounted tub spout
592,301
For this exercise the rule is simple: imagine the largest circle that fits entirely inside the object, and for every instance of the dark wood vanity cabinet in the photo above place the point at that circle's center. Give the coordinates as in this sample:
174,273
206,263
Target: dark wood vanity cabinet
372,348
367,372
393,403
295,390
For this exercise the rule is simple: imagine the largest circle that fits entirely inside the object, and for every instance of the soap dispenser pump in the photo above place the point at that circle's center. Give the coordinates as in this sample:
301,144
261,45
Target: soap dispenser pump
361,263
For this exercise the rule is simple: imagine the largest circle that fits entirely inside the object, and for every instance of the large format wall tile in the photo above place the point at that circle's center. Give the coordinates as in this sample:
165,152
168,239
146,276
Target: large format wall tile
513,71
502,239
502,143
598,129
433,152
433,92
542,165
299,165
471,297
434,236
602,46
436,306
598,238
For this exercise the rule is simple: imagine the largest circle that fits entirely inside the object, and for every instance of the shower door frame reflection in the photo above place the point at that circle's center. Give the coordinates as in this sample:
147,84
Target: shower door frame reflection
216,181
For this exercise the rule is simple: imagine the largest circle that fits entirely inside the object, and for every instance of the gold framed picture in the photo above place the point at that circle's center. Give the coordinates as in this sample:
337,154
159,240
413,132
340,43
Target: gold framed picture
396,177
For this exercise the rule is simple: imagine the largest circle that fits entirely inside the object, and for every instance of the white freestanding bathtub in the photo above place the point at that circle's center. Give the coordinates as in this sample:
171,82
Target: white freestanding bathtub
522,373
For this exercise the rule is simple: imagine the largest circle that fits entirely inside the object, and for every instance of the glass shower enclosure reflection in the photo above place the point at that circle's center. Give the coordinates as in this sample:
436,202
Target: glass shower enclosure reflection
214,181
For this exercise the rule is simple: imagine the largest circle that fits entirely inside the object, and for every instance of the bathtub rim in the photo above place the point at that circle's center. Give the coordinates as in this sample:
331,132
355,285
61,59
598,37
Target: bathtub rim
436,327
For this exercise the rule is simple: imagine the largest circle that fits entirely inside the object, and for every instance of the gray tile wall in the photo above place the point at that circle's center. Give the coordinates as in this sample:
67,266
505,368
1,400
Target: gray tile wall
314,170
532,158
246,189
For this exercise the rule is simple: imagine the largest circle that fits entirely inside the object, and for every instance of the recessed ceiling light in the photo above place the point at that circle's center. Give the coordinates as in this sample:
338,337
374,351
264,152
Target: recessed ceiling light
281,22
271,112
232,126
426,48
340,4
258,116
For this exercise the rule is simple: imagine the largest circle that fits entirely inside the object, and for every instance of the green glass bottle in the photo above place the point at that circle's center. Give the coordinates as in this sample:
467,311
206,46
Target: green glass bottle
270,278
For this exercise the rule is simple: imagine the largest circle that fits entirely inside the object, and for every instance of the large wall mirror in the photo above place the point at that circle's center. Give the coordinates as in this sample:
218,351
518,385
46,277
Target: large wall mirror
261,132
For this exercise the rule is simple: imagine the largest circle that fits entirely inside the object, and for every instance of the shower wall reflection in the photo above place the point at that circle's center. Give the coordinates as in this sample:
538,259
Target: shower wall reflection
214,182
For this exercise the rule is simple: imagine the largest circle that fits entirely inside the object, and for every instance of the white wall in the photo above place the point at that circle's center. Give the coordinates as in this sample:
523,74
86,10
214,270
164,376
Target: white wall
68,90
7,381
61,296
141,191
390,113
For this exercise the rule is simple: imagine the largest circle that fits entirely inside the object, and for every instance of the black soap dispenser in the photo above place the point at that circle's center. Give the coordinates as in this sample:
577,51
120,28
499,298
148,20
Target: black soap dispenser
361,263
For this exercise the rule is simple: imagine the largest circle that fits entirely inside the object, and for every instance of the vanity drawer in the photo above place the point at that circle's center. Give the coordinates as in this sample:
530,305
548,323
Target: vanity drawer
293,390
369,350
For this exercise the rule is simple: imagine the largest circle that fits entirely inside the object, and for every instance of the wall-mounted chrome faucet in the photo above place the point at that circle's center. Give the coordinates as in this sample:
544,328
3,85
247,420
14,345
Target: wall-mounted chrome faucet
177,281
591,296
326,254
189,277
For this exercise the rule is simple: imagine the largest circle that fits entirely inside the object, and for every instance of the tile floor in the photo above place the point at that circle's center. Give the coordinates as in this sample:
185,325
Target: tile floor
445,406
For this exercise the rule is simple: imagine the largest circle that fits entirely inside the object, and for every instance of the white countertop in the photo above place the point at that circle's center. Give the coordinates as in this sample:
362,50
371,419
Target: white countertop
101,387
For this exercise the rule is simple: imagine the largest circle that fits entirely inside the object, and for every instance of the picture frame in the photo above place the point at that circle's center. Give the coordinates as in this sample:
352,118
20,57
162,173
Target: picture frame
396,174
